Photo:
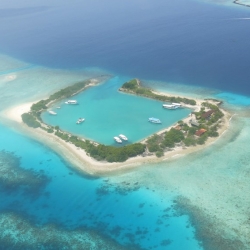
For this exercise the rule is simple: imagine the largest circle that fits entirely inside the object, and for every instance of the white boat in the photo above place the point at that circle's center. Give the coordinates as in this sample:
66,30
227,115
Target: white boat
58,107
170,106
154,120
71,102
123,137
176,104
52,112
80,120
117,139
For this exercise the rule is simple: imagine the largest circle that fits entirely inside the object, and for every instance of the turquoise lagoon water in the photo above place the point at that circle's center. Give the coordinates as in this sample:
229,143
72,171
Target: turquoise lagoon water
136,209
108,113
114,208
196,201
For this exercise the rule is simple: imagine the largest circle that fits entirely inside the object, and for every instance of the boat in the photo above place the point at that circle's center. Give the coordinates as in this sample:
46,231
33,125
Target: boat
58,107
52,112
176,104
117,139
71,102
80,120
154,120
170,106
123,137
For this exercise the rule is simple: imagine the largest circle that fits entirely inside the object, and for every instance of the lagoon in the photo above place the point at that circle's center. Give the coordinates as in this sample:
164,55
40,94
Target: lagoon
189,42
108,113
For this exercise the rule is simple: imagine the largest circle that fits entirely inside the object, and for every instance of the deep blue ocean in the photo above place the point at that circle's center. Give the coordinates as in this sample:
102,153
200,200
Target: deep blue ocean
181,41
170,42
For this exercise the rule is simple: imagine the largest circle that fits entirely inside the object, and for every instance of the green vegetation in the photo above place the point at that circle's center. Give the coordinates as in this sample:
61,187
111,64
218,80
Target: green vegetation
131,84
157,143
63,93
102,152
50,130
215,117
153,143
99,152
39,105
184,135
69,91
134,87
33,118
189,141
30,120
173,136
114,154
159,153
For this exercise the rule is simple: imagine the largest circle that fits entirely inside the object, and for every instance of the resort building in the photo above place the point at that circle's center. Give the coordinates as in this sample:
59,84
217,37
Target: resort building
194,123
207,114
200,132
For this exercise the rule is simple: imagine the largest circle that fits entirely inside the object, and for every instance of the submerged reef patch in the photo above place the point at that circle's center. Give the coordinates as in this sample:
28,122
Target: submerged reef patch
208,232
13,177
123,188
19,233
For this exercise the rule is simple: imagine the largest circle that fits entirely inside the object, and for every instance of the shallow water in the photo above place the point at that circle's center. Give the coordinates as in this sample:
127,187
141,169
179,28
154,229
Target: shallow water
108,113
171,41
199,201
130,212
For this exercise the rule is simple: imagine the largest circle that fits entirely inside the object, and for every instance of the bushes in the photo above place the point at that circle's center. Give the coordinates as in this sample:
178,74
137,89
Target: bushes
189,141
153,147
39,105
50,130
63,136
202,139
153,143
114,154
68,91
173,136
159,153
30,120
139,90
130,85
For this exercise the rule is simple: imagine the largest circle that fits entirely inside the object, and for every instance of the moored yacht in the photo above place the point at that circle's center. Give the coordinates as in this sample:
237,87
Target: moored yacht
71,102
52,112
154,120
174,105
80,120
123,137
117,139
170,106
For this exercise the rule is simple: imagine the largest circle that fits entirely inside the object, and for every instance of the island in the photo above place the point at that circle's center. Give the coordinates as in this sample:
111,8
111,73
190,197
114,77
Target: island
206,122
245,3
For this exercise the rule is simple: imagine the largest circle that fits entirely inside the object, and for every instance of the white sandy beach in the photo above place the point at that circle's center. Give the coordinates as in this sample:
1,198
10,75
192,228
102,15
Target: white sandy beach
83,162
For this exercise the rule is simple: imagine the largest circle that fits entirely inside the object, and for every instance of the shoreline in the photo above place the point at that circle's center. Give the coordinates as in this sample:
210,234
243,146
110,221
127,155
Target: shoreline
82,162
238,2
